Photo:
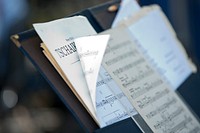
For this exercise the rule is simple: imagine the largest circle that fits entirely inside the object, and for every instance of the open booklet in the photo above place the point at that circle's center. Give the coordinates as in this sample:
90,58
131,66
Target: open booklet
113,75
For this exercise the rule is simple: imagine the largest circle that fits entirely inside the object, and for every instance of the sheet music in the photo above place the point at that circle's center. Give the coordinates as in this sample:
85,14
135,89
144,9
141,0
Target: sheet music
126,9
159,106
158,42
111,105
108,107
58,37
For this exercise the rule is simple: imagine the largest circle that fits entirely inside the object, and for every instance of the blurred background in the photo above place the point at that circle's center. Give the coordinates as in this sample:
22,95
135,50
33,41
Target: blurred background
27,103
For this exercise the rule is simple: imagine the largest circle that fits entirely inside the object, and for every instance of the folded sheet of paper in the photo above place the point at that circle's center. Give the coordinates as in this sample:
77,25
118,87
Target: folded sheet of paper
91,54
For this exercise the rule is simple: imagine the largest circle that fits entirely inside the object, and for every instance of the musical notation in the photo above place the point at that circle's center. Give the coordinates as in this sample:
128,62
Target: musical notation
130,80
118,46
138,91
148,100
151,96
180,126
161,108
116,116
126,67
166,118
109,101
120,57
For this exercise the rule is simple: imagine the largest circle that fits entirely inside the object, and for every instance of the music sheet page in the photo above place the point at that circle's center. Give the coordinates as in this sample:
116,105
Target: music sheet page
159,106
157,40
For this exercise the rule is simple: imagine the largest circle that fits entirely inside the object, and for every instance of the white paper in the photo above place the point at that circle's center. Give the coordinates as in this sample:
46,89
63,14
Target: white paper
160,45
91,50
127,8
59,36
158,105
